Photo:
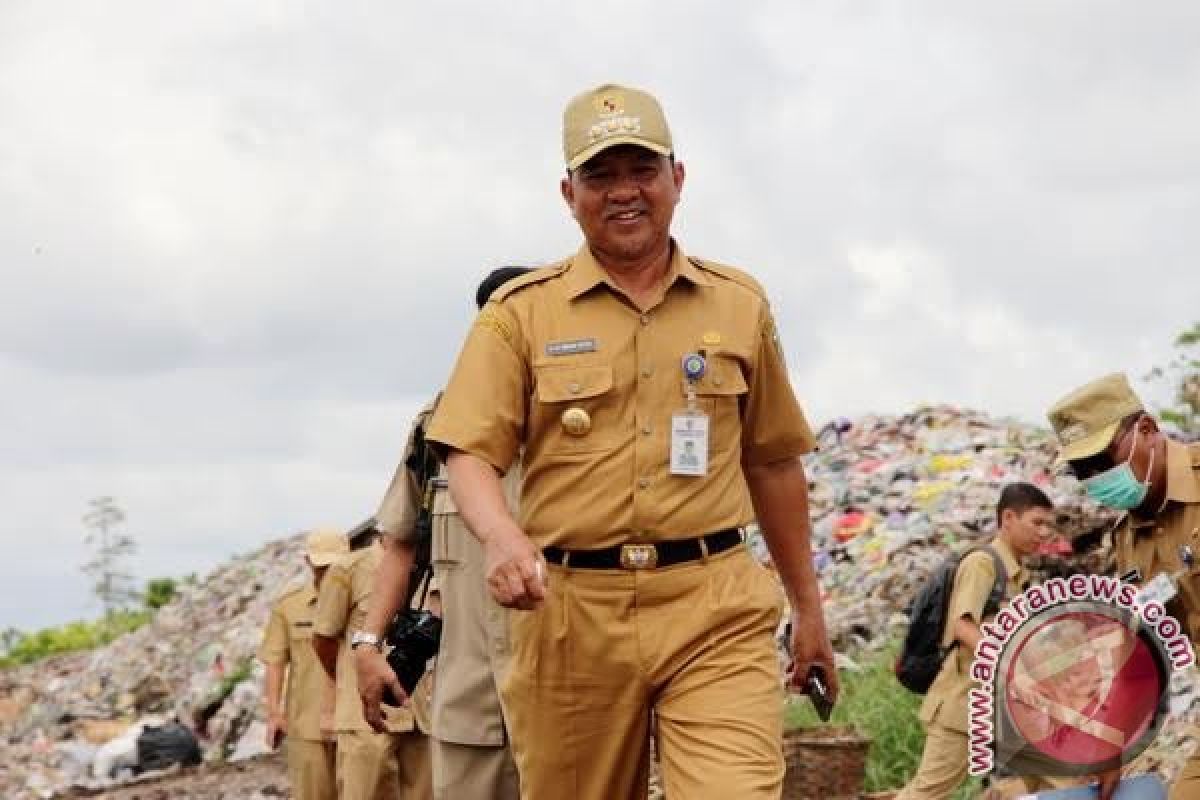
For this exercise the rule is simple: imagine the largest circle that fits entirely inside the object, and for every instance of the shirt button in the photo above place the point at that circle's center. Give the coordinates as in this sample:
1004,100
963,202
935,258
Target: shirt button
647,430
645,319
643,483
716,381
647,372
574,388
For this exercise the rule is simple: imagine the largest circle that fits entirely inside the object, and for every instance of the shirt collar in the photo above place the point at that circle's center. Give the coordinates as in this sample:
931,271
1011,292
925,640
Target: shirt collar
1011,562
1183,482
584,273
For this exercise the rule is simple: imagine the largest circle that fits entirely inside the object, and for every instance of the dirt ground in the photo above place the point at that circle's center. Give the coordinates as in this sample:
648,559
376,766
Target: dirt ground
263,778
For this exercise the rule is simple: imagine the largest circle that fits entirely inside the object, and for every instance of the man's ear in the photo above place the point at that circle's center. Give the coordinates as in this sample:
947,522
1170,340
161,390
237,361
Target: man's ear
568,192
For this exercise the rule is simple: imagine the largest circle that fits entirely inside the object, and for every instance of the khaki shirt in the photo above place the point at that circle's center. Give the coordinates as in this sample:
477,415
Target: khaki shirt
564,338
465,706
946,701
342,609
475,651
1153,545
287,641
397,514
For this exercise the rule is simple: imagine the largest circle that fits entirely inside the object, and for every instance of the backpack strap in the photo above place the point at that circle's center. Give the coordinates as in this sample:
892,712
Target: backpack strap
995,597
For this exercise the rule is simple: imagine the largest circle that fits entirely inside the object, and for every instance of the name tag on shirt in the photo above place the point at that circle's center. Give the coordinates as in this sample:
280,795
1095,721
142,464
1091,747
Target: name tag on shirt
1160,590
689,443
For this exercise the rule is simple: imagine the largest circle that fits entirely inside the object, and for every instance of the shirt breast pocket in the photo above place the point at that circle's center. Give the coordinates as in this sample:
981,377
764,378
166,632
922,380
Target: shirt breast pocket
720,393
448,530
301,633
575,408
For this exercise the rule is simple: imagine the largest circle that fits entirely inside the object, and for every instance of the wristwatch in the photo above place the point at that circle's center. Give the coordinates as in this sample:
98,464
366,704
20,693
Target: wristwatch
369,639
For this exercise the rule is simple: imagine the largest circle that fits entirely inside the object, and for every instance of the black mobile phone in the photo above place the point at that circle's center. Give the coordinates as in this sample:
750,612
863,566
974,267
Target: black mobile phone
814,684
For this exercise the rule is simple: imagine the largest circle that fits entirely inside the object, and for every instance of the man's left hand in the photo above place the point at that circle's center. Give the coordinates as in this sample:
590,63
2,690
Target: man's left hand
810,646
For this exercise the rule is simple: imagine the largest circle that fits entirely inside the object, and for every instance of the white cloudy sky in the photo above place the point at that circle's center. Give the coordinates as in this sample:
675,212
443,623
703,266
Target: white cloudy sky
238,240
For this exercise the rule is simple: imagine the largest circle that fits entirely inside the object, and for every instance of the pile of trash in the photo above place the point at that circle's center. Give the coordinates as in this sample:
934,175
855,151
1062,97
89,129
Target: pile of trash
94,719
890,496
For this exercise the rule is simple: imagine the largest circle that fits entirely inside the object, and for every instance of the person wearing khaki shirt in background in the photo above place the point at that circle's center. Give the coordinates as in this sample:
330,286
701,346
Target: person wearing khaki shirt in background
370,766
634,590
471,757
1025,517
288,654
1127,463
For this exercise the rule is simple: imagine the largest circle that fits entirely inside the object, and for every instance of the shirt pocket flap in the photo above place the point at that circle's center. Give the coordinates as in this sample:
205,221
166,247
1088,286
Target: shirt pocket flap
564,384
722,377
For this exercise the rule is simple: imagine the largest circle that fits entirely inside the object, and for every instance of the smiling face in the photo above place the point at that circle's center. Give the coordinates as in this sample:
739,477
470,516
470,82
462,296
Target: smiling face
624,199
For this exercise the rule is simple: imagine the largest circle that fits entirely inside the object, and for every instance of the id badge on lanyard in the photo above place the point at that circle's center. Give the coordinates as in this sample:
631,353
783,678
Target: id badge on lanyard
689,426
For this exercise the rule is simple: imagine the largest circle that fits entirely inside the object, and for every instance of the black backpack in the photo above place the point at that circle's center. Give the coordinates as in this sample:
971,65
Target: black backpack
921,658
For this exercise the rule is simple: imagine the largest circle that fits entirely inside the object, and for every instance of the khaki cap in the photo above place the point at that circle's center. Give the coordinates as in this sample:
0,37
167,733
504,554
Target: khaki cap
610,115
324,545
1087,419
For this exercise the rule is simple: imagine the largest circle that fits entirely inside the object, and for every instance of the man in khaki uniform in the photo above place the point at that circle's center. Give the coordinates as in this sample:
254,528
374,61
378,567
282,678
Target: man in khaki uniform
287,651
370,765
635,589
1025,517
1127,463
471,758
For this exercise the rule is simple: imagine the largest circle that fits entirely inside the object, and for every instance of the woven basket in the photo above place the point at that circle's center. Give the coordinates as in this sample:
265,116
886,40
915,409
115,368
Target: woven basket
824,763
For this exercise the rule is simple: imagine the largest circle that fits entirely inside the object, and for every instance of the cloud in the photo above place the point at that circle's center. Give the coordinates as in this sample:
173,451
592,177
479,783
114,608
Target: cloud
239,242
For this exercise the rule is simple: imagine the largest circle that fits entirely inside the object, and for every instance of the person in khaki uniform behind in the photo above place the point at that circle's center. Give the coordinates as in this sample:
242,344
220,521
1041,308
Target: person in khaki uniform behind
370,766
634,590
1127,463
288,654
1025,517
471,757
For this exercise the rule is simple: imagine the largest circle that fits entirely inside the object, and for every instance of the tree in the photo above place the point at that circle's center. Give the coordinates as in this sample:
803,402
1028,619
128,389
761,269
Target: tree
159,592
113,584
1182,374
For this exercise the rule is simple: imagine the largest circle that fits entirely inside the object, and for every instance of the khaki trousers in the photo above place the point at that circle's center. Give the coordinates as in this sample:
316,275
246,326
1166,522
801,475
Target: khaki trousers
310,767
383,766
694,643
943,766
473,772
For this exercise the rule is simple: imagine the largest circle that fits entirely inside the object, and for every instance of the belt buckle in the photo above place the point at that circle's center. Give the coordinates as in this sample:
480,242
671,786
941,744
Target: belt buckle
639,556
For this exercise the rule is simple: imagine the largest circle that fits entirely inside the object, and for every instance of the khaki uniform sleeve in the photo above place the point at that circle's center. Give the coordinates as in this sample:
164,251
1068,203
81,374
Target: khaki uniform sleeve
397,514
274,647
333,603
973,583
773,425
484,407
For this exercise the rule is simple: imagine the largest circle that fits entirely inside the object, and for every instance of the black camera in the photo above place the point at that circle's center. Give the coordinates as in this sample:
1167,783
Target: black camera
414,636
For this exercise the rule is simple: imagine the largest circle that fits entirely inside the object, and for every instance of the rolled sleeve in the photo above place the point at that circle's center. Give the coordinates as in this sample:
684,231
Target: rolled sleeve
774,427
274,647
333,603
397,514
483,409
972,584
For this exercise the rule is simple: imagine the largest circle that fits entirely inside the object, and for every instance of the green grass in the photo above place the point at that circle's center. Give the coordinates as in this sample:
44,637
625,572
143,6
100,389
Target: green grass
873,702
29,647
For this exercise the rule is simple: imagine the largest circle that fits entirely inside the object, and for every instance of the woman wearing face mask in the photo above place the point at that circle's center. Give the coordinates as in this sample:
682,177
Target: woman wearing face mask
1127,463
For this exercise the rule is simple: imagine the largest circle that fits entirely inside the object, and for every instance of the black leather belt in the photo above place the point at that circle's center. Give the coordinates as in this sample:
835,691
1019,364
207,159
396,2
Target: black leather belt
646,556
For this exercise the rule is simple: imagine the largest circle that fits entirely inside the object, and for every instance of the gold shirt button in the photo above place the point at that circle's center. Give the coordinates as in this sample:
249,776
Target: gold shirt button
647,430
647,372
643,483
645,319
574,388
576,421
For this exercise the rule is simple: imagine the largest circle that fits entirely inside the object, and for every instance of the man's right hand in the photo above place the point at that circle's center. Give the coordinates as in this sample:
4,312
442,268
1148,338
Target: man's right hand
276,729
516,572
374,675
